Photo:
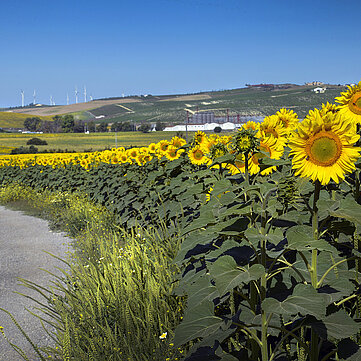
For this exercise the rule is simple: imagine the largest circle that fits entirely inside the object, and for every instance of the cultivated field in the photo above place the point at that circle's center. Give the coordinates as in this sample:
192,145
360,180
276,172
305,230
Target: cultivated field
172,108
15,120
80,142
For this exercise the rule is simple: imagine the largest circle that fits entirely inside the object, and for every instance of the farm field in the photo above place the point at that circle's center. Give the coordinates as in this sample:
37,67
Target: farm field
80,142
15,120
172,108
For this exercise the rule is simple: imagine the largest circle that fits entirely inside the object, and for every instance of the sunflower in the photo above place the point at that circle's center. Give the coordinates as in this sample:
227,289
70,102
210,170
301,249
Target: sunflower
288,118
123,157
173,153
197,155
250,125
114,159
273,127
322,147
270,147
329,107
152,147
163,145
200,137
133,153
239,165
351,103
178,142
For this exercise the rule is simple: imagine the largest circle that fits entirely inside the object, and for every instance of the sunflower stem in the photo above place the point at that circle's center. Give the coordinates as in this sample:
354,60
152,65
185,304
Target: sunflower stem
314,281
246,167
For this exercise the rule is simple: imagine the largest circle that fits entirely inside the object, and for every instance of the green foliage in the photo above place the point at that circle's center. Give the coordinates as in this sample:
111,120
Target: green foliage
36,141
32,124
144,128
102,127
274,268
24,150
67,123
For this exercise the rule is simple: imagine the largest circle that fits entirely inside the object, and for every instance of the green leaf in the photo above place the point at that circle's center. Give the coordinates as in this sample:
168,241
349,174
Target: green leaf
304,300
198,322
206,217
301,238
338,325
349,209
200,291
228,275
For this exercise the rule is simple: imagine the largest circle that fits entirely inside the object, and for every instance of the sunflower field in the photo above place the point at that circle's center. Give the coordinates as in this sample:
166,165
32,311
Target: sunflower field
269,261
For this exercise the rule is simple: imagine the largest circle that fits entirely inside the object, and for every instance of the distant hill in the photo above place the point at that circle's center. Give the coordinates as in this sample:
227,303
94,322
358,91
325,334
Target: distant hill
256,100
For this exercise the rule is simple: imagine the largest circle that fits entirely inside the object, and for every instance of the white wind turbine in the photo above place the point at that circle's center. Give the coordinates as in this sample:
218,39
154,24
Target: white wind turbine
76,95
22,98
84,93
34,97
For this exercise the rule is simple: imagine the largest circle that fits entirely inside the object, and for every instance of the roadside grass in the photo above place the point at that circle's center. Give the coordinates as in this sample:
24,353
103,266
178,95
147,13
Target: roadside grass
80,141
113,300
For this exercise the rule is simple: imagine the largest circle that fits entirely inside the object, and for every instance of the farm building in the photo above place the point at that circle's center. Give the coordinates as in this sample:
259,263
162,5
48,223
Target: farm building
203,127
319,90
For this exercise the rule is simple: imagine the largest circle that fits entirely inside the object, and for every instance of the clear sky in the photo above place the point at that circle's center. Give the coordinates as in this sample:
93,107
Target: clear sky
117,47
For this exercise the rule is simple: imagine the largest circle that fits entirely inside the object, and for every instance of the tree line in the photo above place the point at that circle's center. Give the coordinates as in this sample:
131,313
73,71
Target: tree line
67,124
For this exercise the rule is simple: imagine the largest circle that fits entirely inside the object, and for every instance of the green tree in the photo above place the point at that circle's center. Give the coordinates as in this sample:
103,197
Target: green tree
32,124
102,127
159,126
67,123
145,128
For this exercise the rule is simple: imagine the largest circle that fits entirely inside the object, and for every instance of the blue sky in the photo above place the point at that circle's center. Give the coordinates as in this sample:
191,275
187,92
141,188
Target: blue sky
172,46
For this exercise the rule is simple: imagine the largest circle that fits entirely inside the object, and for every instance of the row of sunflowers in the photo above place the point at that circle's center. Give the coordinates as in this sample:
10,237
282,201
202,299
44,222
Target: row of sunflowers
322,145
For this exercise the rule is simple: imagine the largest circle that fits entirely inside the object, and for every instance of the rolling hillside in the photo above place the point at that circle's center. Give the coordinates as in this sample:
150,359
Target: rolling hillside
172,108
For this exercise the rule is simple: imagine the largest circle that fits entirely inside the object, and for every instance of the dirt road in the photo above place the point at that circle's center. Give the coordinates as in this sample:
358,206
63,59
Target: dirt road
23,240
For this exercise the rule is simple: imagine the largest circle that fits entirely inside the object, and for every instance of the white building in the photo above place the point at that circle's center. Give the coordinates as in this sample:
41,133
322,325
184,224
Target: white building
202,127
319,90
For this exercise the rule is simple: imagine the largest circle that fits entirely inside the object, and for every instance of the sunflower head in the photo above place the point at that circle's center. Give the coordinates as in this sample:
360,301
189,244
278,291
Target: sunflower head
152,147
350,103
245,141
272,126
178,142
329,107
323,147
197,155
173,153
199,137
163,145
288,118
218,150
250,125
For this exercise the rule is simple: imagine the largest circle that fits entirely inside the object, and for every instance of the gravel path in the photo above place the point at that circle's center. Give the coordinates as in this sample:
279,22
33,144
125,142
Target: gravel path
23,240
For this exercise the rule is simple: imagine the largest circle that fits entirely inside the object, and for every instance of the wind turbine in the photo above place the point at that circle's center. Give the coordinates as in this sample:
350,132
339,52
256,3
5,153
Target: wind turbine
84,93
76,95
22,98
51,100
34,97
91,98
67,99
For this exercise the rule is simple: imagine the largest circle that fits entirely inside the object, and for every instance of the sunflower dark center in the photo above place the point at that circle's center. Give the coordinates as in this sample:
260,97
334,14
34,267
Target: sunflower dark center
324,149
198,154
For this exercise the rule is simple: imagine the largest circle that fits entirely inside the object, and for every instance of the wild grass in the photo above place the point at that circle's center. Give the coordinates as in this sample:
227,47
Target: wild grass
113,299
